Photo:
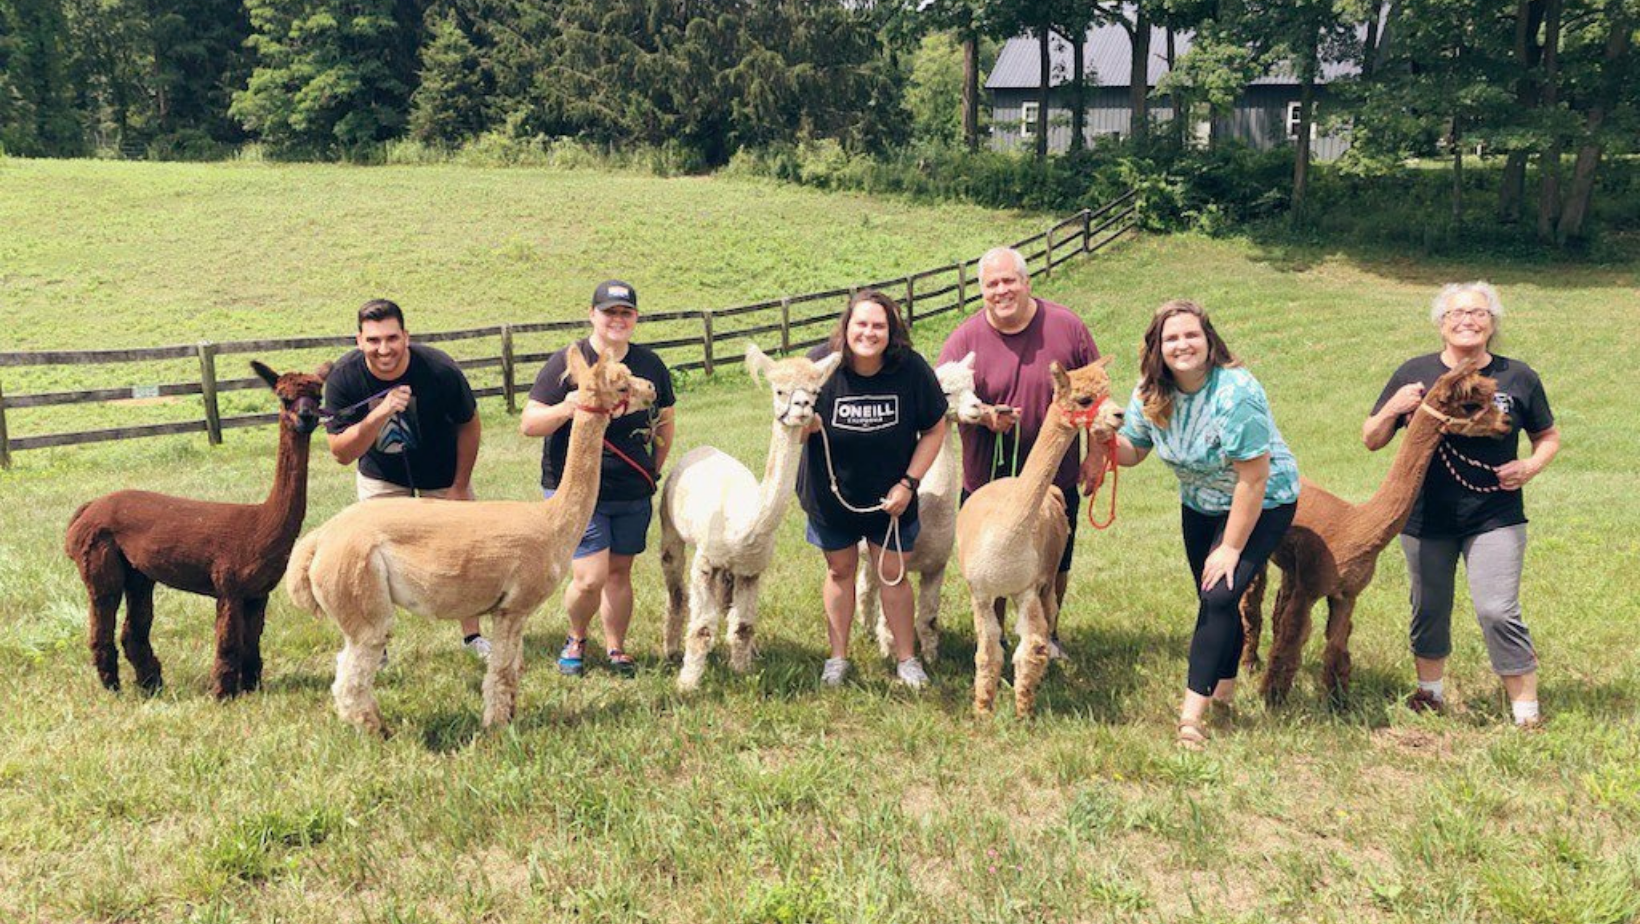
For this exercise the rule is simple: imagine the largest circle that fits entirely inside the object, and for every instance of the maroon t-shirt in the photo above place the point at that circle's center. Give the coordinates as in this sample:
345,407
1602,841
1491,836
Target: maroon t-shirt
1012,369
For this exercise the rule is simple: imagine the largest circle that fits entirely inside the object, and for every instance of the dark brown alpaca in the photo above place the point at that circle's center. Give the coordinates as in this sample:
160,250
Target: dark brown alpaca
1332,549
126,542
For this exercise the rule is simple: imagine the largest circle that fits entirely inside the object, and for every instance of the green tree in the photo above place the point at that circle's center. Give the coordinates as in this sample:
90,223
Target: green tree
37,116
933,93
448,105
323,79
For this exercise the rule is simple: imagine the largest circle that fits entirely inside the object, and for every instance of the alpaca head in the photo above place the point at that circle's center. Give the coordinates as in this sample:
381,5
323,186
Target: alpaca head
1083,398
795,382
608,385
1470,400
957,381
300,395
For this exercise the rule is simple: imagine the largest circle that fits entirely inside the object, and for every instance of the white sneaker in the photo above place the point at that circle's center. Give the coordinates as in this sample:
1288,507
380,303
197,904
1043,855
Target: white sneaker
1055,653
833,673
480,647
911,673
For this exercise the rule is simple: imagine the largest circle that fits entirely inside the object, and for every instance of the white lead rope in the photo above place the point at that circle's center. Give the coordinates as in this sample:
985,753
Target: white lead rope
893,534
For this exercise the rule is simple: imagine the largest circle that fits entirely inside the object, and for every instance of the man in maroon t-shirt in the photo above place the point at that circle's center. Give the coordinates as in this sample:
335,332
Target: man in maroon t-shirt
1013,341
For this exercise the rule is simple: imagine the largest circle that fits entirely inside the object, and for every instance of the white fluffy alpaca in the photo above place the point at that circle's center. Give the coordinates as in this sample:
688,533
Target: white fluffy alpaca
713,502
937,516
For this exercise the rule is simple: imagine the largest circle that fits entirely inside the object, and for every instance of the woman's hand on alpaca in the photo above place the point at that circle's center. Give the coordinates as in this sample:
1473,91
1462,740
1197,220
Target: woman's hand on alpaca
1221,565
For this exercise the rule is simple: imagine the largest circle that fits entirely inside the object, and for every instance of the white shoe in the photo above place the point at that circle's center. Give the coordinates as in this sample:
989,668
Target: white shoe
911,673
480,647
833,673
1055,653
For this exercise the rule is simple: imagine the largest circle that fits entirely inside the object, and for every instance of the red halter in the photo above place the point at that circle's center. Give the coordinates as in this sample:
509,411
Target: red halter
1085,419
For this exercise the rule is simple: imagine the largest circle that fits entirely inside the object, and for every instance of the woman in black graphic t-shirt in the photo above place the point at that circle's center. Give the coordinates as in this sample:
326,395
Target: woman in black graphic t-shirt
1471,504
883,415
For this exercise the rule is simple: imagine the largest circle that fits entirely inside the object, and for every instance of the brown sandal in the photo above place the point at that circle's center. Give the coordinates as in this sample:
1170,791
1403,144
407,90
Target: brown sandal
1192,736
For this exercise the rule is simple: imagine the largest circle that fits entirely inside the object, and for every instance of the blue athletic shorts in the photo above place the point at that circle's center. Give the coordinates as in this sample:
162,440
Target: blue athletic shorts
830,539
622,527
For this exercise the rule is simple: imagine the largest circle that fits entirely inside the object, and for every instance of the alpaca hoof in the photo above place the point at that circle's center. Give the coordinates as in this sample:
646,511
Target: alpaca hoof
111,684
689,677
149,683
1252,664
984,710
743,663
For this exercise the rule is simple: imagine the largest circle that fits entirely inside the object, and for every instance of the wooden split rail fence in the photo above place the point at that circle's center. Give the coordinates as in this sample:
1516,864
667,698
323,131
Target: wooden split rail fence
924,294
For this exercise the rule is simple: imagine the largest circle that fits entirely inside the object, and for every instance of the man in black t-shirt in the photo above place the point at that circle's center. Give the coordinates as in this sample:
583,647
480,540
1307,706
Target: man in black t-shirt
406,414
635,449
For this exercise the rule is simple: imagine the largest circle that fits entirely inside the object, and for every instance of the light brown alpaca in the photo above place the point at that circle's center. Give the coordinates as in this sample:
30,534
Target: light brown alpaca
1011,533
127,542
1332,549
454,559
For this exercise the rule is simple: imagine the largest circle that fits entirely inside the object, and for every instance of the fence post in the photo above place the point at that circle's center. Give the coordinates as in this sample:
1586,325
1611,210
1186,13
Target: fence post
910,300
962,287
507,380
1087,228
207,389
706,340
5,440
785,325
1047,253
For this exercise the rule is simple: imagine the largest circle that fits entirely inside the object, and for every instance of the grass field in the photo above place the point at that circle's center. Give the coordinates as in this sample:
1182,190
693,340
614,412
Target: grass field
764,798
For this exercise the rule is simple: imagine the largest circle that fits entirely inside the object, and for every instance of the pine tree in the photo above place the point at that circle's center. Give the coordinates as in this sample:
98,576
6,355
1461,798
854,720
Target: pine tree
448,106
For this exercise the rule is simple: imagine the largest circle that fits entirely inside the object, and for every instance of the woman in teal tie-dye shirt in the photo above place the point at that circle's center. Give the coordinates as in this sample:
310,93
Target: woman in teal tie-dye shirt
1209,420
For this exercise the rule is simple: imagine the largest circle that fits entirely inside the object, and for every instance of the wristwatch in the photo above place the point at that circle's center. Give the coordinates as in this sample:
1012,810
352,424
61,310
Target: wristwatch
910,481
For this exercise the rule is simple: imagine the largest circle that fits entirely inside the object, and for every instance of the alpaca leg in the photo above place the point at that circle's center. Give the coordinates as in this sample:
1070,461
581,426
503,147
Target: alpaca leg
742,622
703,618
928,613
135,637
1289,628
677,600
1335,663
506,662
987,655
102,569
226,678
356,666
1252,618
1031,657
868,607
256,611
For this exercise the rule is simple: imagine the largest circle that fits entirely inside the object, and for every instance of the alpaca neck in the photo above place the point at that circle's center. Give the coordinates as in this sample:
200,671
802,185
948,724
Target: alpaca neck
1387,510
286,505
775,491
1040,467
944,476
577,490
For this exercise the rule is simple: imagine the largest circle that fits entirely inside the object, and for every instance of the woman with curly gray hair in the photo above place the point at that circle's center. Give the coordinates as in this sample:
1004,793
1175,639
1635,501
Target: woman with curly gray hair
1471,505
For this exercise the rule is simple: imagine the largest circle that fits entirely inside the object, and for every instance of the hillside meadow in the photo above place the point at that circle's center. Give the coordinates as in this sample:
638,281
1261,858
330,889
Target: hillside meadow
764,797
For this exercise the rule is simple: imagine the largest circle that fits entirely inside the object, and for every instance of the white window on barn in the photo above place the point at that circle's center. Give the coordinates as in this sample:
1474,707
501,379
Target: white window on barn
1027,118
1292,120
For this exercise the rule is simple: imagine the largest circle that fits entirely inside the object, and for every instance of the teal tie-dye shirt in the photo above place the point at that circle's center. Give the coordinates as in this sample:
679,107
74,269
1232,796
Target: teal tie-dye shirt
1227,421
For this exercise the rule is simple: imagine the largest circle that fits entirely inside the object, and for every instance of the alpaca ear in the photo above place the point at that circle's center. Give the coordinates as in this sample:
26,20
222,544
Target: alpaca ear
968,361
1061,381
264,373
828,365
576,364
756,362
323,372
1103,361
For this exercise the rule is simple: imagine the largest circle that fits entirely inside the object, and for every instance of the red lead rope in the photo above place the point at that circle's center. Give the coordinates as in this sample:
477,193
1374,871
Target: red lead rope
614,412
1085,419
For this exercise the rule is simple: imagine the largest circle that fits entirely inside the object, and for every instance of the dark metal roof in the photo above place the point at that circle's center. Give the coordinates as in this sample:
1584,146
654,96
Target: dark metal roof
1106,53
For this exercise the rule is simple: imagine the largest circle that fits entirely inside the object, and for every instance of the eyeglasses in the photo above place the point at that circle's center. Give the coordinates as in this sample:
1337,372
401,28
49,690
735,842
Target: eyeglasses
1467,314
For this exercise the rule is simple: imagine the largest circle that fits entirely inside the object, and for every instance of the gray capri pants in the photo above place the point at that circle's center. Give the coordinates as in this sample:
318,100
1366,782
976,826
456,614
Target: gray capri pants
1492,562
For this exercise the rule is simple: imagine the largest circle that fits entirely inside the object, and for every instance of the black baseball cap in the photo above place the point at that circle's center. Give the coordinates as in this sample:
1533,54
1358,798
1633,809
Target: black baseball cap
613,293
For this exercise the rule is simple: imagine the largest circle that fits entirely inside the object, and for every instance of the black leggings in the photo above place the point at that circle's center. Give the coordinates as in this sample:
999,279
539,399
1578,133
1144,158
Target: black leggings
1215,649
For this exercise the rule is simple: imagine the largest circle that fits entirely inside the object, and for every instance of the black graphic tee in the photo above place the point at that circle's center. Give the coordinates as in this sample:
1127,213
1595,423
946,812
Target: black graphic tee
417,448
873,423
1446,509
633,434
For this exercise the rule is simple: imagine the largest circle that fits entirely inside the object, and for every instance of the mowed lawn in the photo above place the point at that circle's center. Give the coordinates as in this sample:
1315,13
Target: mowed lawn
764,797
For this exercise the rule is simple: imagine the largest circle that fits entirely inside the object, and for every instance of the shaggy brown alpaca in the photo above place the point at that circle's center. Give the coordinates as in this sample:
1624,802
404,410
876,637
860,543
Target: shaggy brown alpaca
1332,548
1012,532
126,542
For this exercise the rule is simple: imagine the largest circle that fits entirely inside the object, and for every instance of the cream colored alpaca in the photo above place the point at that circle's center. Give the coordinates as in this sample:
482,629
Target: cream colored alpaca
452,559
1012,532
937,521
712,502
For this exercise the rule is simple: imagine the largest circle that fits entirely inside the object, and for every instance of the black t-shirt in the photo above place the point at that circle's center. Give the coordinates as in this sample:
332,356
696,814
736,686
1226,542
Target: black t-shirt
417,448
873,423
633,434
1446,509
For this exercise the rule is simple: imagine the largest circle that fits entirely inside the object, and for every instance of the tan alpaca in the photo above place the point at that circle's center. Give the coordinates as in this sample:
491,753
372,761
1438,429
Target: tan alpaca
937,521
712,502
1332,549
454,559
1011,533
